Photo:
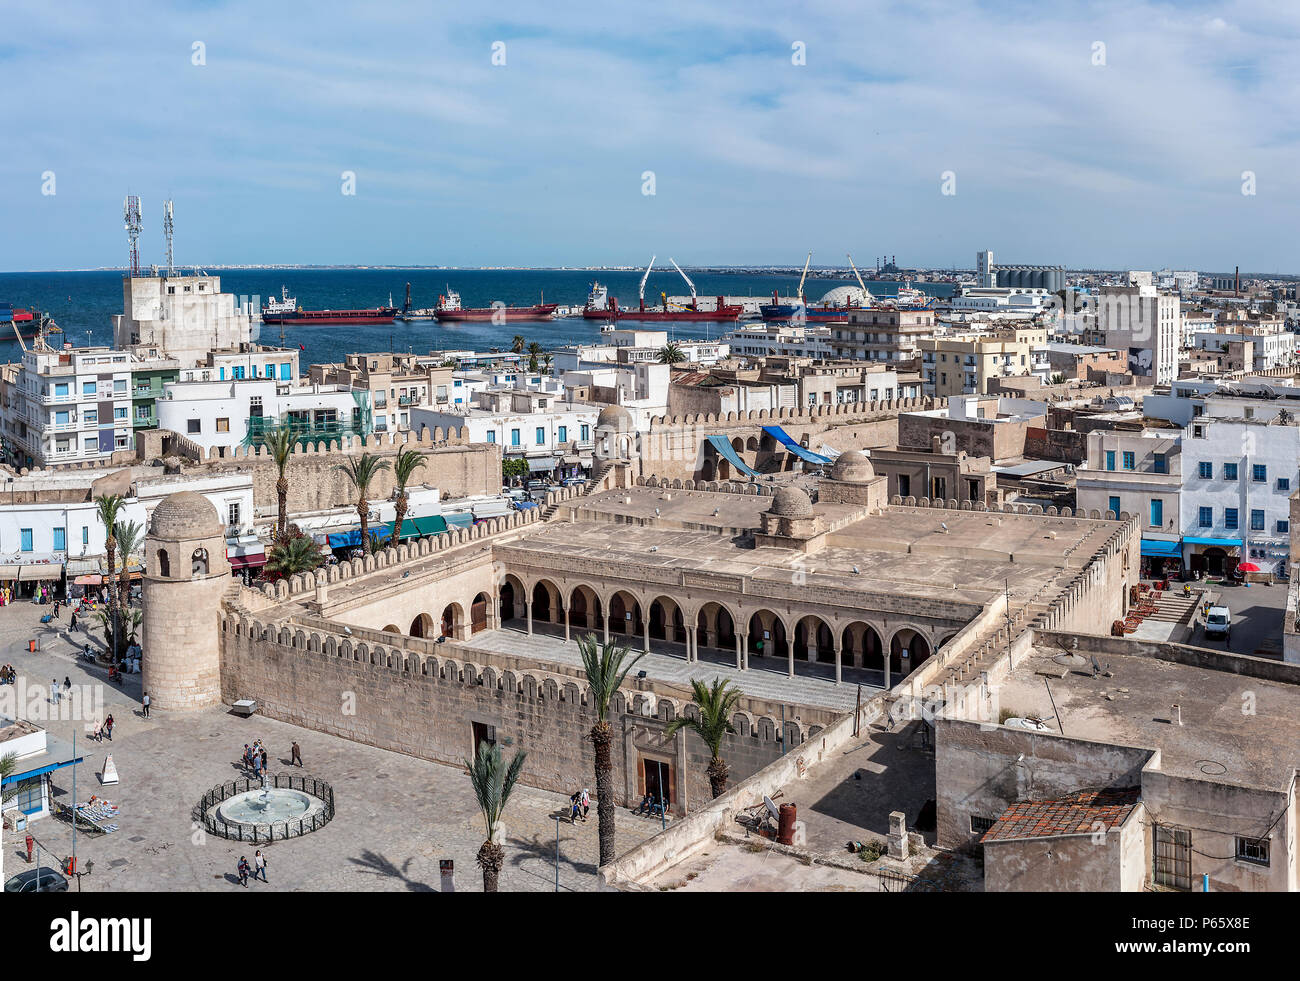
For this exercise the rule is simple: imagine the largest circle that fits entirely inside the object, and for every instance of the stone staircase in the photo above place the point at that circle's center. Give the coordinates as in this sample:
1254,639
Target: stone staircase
1173,607
597,478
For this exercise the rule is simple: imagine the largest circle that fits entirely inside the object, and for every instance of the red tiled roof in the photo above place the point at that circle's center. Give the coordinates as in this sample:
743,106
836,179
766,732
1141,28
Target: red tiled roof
1074,814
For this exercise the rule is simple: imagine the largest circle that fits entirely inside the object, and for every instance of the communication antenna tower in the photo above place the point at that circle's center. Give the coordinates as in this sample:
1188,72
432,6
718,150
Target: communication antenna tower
167,233
134,225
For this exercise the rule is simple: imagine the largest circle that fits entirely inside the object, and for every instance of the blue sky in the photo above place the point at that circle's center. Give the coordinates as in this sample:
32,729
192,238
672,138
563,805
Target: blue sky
1134,163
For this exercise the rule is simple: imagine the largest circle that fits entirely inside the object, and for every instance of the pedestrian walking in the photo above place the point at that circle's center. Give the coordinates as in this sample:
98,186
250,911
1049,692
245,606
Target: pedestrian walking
242,870
264,760
259,865
144,702
56,609
54,691
108,728
585,801
72,621
296,755
575,808
67,685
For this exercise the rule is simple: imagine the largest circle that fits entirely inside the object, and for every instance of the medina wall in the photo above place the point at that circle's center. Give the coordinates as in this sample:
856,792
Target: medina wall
426,705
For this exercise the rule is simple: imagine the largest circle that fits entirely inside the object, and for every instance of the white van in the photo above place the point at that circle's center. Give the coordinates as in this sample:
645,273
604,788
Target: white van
1218,623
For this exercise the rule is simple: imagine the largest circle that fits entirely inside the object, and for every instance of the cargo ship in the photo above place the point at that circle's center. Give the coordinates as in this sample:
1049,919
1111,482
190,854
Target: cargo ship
285,310
601,306
17,324
449,311
833,308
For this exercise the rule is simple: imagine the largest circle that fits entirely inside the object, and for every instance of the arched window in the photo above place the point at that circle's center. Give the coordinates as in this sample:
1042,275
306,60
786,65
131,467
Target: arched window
199,567
164,564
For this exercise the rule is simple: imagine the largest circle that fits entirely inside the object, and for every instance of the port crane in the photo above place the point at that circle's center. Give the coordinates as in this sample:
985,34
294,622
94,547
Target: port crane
694,297
806,264
641,291
866,293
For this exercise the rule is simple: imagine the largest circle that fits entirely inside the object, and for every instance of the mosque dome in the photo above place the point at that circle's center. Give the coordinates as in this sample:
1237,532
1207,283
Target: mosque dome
853,467
185,515
791,502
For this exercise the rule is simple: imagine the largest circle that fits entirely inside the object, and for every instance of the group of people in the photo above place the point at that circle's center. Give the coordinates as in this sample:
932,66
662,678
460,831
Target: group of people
8,675
257,870
255,758
579,805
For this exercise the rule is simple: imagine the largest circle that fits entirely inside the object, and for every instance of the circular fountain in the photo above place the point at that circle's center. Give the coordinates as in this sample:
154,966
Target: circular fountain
285,806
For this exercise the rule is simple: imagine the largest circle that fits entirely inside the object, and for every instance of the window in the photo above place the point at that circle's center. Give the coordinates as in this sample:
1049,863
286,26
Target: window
1157,513
232,514
90,415
85,534
1198,432
1252,850
586,433
1110,459
1230,518
1128,460
30,798
199,562
514,437
26,539
1207,517
492,437
980,825
1205,469
223,425
541,435
1259,473
239,371
1256,520
564,434
120,412
60,540
192,426
1229,471
1160,465
1284,527
119,386
1113,505
1284,483
87,388
61,418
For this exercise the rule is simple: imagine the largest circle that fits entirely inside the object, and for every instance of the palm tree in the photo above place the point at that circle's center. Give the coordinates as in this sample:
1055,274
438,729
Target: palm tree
534,352
404,467
493,783
108,507
670,353
546,363
361,471
129,539
605,665
716,704
8,767
279,441
290,556
517,345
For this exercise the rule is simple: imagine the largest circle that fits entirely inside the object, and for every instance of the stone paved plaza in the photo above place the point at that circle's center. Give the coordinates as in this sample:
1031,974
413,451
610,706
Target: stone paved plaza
396,816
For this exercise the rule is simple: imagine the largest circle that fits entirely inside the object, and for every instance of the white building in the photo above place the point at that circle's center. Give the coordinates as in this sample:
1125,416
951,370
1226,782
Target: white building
1238,480
184,317
549,432
221,413
1140,474
70,406
641,388
788,340
1144,324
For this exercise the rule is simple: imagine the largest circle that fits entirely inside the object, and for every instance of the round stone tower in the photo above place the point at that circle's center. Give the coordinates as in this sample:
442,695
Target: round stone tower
185,576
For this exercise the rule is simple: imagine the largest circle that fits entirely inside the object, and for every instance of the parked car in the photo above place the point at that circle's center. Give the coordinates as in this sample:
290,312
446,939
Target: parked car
1218,623
42,879
572,481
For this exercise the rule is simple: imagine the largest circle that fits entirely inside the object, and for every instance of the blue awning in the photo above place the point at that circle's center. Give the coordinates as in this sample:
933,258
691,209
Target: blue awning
1158,548
1221,542
352,537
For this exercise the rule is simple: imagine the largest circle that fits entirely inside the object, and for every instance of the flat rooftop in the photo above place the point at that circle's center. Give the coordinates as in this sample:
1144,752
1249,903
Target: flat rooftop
902,550
1218,740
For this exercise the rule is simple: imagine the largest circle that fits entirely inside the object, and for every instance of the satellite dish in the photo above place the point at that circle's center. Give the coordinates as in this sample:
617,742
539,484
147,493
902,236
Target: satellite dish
771,808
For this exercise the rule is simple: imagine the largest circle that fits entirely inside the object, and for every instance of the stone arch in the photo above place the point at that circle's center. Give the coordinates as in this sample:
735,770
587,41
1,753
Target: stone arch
480,613
584,607
666,620
511,595
863,646
452,621
715,626
915,642
625,614
199,562
768,636
422,626
546,602
814,639
164,564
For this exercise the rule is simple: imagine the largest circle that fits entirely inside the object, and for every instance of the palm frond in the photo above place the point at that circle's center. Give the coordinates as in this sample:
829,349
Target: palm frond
493,782
8,767
606,665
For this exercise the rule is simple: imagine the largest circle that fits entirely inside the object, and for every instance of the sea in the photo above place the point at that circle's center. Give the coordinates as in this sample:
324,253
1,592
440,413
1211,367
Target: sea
82,304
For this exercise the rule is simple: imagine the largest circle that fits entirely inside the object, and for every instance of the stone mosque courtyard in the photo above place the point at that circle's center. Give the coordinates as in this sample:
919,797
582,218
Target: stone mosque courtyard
396,816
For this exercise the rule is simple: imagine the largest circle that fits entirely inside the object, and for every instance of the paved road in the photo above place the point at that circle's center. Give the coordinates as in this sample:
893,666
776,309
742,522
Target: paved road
1257,613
